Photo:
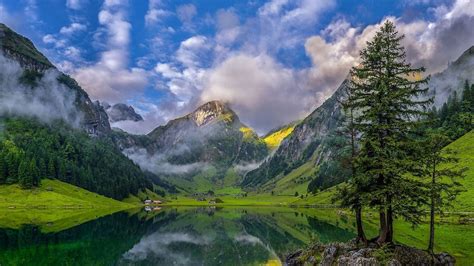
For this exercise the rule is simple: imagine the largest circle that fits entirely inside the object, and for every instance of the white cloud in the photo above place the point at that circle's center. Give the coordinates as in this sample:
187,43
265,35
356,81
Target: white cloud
154,13
75,4
51,39
264,93
186,13
110,78
191,50
73,28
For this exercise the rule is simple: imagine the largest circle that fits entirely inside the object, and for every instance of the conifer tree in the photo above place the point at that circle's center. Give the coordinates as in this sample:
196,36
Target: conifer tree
441,169
3,169
24,175
51,169
388,102
349,194
34,173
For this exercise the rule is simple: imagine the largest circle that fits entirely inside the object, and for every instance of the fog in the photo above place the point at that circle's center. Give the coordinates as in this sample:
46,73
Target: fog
48,101
442,85
157,163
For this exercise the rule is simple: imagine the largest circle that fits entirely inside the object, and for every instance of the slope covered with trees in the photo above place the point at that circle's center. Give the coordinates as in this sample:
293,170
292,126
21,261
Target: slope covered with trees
30,151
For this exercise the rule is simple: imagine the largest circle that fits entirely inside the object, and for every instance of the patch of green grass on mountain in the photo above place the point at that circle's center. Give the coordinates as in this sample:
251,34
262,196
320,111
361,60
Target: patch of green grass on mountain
464,147
296,181
273,139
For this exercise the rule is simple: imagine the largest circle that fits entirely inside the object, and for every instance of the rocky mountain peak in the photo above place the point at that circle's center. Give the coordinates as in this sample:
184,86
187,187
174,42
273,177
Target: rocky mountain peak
210,111
121,112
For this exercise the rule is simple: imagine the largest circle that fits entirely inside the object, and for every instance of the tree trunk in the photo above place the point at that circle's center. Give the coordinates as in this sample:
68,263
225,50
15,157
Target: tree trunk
432,218
389,238
360,229
432,210
383,228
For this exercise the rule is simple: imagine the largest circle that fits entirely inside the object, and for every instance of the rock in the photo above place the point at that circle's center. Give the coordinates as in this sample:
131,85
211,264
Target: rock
359,257
293,258
349,254
329,255
444,259
394,262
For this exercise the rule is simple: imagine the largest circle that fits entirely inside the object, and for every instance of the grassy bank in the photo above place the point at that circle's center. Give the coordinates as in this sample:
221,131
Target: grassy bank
54,206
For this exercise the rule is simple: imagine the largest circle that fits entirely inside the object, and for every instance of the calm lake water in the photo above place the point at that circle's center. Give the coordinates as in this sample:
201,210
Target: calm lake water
173,236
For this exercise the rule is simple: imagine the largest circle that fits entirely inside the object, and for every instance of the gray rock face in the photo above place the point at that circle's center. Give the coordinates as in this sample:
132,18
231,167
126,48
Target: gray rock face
121,112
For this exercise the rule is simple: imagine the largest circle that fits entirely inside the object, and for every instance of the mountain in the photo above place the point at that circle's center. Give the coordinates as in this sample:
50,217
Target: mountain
206,143
121,112
22,50
306,142
212,133
49,128
443,84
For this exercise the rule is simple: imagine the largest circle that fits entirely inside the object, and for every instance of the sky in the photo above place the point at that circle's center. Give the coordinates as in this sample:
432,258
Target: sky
272,61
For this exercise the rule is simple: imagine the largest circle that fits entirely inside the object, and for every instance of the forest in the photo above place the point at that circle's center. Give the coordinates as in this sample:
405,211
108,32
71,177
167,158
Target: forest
31,151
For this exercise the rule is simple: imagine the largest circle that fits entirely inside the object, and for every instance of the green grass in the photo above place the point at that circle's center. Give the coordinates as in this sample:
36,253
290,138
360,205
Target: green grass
54,206
142,196
296,181
53,194
464,146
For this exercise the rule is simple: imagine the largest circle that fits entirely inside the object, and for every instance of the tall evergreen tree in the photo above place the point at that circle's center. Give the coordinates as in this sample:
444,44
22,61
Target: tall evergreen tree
388,101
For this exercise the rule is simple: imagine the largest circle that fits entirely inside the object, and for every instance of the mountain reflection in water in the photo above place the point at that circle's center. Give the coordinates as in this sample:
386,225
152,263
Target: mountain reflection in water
172,236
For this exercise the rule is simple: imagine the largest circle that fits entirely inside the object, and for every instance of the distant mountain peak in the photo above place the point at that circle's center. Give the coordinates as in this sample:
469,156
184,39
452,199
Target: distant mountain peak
121,112
210,111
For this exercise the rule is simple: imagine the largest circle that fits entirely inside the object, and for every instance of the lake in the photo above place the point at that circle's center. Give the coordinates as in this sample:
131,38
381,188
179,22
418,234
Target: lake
177,236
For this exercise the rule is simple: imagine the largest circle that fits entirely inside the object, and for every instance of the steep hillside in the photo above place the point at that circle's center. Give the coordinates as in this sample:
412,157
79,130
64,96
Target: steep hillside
464,148
307,139
35,65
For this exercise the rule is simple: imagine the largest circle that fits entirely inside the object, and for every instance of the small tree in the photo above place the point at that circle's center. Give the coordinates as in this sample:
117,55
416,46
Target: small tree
24,175
440,166
349,194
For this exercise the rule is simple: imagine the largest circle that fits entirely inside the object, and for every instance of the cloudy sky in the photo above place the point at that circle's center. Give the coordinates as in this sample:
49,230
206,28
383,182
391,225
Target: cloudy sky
272,61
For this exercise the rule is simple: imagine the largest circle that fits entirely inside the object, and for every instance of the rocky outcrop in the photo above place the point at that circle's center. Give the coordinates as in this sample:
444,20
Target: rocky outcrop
121,112
349,254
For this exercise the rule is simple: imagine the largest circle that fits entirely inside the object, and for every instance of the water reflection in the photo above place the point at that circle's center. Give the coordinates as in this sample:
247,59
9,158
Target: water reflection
171,236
